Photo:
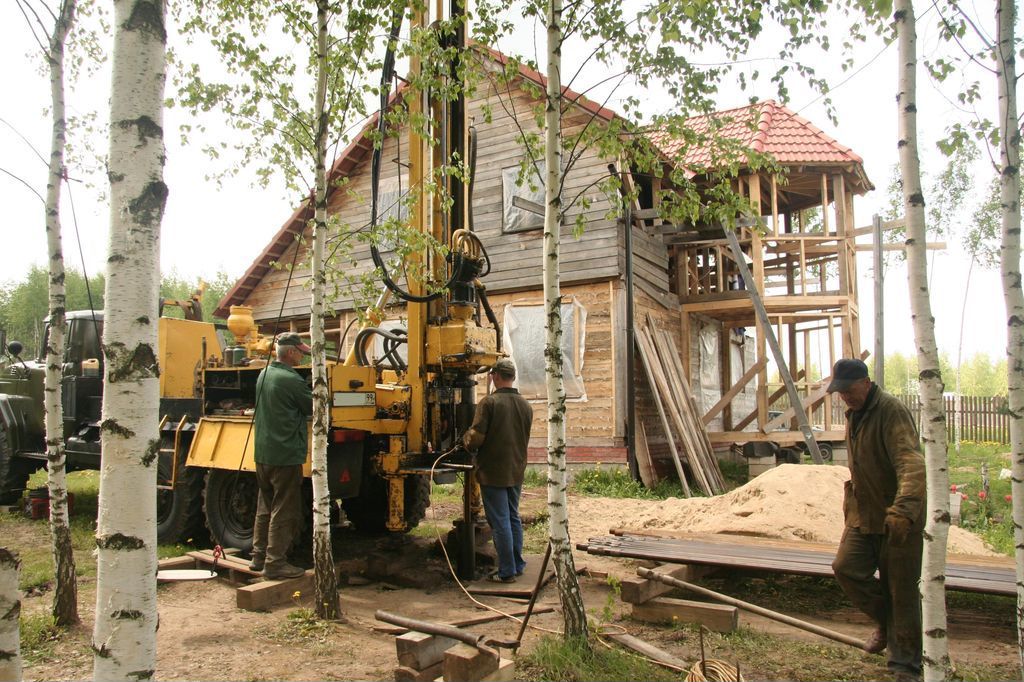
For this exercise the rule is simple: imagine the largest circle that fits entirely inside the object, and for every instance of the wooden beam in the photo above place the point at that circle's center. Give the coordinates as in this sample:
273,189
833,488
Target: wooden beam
734,391
812,398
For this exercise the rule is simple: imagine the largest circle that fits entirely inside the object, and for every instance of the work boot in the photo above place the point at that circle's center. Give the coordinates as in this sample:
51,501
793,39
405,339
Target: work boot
876,643
256,564
283,571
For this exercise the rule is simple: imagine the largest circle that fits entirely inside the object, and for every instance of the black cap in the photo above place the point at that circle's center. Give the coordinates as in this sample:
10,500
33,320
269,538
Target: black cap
847,372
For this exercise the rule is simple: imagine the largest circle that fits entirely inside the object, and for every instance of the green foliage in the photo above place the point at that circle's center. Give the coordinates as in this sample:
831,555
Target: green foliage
980,375
617,482
25,304
39,637
173,286
574,661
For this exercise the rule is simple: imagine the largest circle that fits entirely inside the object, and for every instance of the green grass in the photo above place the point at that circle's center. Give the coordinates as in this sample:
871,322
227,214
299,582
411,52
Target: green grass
557,659
618,483
991,516
34,548
39,637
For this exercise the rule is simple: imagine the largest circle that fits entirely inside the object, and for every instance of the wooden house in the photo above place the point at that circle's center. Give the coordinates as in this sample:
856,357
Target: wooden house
682,281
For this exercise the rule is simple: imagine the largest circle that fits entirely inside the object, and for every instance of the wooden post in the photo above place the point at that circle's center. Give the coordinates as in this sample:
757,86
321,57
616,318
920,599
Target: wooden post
787,379
876,223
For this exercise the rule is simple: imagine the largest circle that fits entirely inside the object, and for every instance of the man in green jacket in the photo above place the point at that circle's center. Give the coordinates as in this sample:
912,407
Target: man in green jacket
884,507
284,403
499,435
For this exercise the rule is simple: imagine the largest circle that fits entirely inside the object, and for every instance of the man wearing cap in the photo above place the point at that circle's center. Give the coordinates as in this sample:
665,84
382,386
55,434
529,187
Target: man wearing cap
499,435
883,505
283,404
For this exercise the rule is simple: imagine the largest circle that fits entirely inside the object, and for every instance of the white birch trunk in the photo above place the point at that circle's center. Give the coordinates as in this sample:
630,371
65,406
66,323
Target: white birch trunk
1009,259
327,601
10,613
65,594
573,613
124,635
935,659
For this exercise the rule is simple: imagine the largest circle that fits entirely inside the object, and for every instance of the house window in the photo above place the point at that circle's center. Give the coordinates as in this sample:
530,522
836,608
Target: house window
523,337
522,197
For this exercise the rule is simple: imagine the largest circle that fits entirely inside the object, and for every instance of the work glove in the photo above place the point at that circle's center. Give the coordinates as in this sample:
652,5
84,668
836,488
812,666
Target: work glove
897,527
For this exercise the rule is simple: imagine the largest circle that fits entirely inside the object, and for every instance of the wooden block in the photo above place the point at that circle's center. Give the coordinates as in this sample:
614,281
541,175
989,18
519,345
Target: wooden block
506,672
263,595
464,663
637,590
419,651
406,674
175,562
717,617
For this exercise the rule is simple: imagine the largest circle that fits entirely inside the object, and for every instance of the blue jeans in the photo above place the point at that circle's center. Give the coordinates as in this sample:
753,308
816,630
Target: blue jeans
501,506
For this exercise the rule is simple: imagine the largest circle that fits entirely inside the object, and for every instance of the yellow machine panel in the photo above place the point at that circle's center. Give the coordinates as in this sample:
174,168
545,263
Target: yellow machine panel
353,393
219,440
462,344
181,354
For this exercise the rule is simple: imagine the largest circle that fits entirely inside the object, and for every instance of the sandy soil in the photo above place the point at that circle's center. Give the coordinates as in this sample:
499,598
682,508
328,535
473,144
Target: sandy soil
203,636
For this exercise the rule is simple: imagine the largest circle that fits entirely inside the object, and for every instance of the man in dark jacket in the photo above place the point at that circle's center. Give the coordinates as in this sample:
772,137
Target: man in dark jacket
283,404
884,507
500,434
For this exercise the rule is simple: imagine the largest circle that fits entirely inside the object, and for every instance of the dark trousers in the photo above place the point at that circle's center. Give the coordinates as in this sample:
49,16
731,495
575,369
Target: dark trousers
501,506
893,600
278,511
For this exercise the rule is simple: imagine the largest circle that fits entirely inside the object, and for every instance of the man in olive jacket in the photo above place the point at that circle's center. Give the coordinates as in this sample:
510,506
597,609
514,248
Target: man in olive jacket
500,434
283,404
884,507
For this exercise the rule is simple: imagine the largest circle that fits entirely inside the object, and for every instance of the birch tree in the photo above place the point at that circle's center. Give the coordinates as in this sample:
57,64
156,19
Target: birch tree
573,614
10,614
1010,254
935,659
124,633
327,602
65,594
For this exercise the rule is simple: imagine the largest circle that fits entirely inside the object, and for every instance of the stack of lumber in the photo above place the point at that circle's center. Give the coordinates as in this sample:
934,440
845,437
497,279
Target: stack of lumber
680,418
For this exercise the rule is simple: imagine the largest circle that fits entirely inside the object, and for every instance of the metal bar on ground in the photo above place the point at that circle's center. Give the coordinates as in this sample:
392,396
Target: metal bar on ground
753,608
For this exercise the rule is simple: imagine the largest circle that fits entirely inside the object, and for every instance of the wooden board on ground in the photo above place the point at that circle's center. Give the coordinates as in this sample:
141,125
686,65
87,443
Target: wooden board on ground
238,569
637,590
717,617
521,588
269,593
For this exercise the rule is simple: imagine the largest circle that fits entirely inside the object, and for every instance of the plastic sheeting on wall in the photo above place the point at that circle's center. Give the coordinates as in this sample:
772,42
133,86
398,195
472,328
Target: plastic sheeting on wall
523,336
517,218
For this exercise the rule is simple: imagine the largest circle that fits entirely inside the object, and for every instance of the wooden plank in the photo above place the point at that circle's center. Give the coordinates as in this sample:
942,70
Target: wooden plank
734,391
716,617
419,651
176,562
648,476
637,590
464,663
263,595
406,674
465,622
650,651
660,386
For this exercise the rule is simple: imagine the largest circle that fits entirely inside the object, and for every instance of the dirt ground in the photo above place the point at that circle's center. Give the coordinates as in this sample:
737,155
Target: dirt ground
203,636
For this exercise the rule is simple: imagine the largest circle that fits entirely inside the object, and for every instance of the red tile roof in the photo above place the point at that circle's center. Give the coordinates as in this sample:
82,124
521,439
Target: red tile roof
765,127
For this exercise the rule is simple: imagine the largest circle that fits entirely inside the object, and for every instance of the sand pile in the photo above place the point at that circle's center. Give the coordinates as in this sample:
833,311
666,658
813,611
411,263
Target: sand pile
791,502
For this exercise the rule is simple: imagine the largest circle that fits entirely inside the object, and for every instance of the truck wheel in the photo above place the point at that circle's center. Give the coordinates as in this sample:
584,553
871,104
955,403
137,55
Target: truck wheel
826,451
179,512
14,472
369,511
230,505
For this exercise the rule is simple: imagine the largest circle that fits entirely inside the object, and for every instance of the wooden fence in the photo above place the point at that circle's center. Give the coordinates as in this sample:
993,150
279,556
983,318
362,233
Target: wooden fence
982,418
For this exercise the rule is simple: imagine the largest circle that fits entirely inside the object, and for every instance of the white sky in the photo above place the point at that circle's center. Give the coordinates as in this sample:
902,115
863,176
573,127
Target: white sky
207,229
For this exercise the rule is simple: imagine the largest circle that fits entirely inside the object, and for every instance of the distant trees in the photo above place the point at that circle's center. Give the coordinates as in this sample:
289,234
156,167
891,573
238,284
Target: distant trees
23,304
980,374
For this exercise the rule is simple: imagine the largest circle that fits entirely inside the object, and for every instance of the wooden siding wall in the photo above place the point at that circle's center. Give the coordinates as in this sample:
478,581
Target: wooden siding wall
590,424
515,258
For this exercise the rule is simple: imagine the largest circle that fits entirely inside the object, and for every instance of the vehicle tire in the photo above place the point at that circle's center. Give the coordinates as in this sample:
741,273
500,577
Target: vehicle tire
826,451
179,512
229,502
14,472
369,511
